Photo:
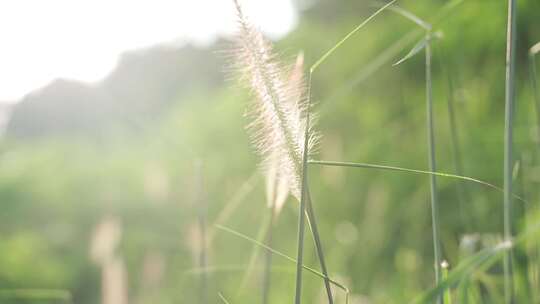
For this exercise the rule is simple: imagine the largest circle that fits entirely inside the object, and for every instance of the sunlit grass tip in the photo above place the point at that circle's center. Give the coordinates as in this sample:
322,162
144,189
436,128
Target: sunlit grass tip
279,109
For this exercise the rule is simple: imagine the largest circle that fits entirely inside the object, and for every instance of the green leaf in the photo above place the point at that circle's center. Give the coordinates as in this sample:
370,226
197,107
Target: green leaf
470,264
463,271
415,50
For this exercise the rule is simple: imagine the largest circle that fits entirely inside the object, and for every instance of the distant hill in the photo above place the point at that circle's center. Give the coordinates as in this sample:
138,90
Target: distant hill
143,85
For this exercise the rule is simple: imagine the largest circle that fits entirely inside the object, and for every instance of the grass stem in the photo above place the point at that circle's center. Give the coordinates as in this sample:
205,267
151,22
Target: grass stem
536,94
447,292
432,167
337,45
407,170
312,222
286,257
303,198
508,145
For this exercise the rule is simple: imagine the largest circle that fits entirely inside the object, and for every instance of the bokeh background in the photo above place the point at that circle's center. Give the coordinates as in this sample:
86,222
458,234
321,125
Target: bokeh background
107,187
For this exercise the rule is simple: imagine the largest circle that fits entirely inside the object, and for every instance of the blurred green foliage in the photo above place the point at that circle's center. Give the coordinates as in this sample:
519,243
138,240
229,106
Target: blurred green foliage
375,225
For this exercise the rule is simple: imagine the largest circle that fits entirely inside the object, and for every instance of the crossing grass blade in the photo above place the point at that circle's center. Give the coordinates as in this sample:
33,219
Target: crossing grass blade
349,35
286,257
263,231
388,54
414,171
305,190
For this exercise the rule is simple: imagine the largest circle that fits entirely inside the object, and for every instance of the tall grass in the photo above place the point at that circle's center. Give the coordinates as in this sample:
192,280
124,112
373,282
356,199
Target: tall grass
281,132
311,213
301,219
281,126
508,146
288,258
425,44
432,165
535,49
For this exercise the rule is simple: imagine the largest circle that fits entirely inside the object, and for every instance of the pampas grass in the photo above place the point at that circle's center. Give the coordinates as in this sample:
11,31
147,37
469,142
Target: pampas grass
280,126
278,116
277,189
280,131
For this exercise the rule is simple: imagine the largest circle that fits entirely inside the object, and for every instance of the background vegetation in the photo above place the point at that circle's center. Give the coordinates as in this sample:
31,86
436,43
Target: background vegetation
69,159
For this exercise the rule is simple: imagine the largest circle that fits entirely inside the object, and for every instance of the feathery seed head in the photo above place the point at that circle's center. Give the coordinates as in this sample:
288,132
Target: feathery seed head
279,109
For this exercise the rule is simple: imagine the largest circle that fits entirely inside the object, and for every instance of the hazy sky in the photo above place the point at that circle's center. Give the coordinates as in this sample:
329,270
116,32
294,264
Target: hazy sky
82,39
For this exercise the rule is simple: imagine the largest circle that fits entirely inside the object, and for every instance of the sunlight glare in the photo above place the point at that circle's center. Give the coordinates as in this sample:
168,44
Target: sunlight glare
44,40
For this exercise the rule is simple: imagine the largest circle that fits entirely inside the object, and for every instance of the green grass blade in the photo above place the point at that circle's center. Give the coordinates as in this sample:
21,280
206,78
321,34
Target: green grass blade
407,170
312,223
419,46
485,256
234,202
282,255
447,292
463,290
409,15
384,57
462,271
508,145
536,95
303,199
432,167
337,45
426,44
263,230
388,54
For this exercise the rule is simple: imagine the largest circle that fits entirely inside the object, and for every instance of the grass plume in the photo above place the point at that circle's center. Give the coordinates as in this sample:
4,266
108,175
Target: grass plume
281,120
278,127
